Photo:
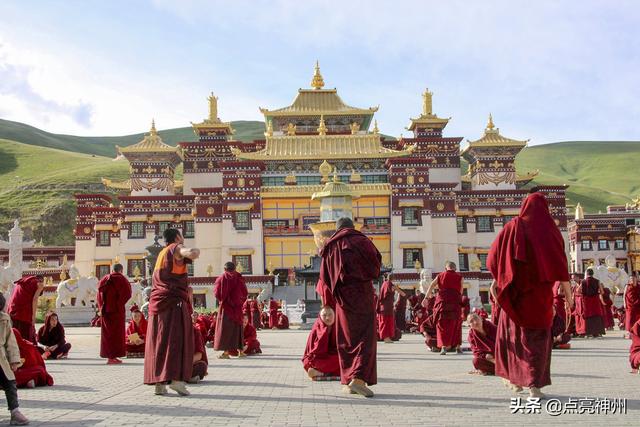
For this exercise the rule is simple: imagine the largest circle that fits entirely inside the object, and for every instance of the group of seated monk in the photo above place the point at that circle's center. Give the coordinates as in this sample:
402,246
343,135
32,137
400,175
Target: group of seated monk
250,339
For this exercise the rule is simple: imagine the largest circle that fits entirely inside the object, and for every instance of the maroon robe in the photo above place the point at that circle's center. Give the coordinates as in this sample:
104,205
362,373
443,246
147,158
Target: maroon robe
251,340
49,336
136,350
526,259
559,301
168,354
33,367
386,318
558,331
400,309
273,313
255,314
350,263
200,367
114,290
634,350
466,307
321,352
428,329
20,307
448,308
631,304
483,345
283,321
589,319
607,308
231,292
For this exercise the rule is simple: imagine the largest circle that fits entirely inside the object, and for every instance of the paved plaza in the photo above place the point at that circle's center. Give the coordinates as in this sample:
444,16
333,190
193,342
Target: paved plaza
415,388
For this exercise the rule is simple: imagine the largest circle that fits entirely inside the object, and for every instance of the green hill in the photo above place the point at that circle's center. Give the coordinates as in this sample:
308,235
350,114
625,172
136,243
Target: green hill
41,171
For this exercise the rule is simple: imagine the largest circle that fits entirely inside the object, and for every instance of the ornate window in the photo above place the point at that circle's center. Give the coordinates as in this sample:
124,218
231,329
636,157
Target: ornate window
131,267
189,230
376,221
162,226
102,270
276,223
243,263
411,216
484,224
461,224
103,238
620,244
483,261
242,220
585,245
463,262
410,256
136,230
603,245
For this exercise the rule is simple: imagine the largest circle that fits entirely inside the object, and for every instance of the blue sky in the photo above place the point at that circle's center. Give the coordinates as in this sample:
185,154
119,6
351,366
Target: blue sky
546,70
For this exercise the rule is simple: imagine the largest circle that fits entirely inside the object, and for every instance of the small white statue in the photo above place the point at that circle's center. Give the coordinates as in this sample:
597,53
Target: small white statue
83,289
8,275
425,280
610,275
137,294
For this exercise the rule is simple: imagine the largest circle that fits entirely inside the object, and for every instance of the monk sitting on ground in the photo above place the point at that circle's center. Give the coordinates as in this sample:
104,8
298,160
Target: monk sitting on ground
283,321
251,343
634,351
482,339
32,372
136,333
320,358
200,360
560,335
52,338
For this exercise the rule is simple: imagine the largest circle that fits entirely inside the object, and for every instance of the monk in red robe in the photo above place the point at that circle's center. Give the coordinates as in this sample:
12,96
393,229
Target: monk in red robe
283,321
51,337
482,339
136,333
251,343
320,358
589,320
114,290
273,313
168,354
607,307
200,324
495,308
466,307
400,309
634,350
447,311
526,259
631,303
350,263
386,317
559,333
200,360
23,305
255,314
427,327
32,372
231,292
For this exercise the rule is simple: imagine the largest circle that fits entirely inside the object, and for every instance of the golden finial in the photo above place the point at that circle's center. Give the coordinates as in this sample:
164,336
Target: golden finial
322,129
317,82
427,103
63,275
291,129
153,131
579,212
355,177
355,127
325,170
213,108
290,179
269,131
490,125
335,175
375,127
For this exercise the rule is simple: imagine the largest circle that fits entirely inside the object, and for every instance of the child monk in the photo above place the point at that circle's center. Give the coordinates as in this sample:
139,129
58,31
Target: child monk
320,358
136,333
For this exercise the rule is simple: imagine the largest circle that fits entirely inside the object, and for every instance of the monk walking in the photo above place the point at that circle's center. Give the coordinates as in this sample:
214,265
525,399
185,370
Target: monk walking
114,290
169,348
386,318
526,259
350,263
590,320
231,292
23,305
631,303
447,311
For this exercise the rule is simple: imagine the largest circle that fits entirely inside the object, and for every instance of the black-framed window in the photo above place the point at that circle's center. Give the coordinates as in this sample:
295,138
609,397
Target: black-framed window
585,245
244,261
620,244
102,270
136,230
242,220
463,262
603,245
484,224
189,230
190,269
376,221
461,224
483,261
276,223
162,226
103,238
131,267
410,256
507,218
411,216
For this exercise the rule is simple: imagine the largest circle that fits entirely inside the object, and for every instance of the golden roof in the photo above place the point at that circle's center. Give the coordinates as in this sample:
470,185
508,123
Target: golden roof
492,138
306,191
151,143
304,147
428,118
213,121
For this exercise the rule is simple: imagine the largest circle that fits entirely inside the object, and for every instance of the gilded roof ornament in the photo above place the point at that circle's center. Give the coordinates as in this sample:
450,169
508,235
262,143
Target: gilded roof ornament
427,103
291,129
290,179
317,82
213,108
355,177
355,127
322,129
269,131
490,125
376,131
579,212
325,170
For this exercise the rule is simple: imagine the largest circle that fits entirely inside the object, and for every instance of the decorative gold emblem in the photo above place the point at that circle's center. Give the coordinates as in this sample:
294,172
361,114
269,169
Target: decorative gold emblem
87,230
210,211
240,182
440,206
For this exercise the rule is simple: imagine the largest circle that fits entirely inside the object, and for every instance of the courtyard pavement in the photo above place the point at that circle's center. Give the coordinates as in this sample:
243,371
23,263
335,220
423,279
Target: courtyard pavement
415,388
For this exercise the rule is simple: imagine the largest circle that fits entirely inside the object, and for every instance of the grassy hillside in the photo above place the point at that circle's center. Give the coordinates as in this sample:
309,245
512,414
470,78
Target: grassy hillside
105,145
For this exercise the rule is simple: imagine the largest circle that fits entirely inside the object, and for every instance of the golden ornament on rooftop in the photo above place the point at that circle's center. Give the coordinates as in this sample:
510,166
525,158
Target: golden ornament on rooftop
317,82
322,128
291,129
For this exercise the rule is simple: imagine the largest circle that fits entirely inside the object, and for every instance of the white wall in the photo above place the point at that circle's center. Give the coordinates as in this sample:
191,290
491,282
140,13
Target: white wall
201,180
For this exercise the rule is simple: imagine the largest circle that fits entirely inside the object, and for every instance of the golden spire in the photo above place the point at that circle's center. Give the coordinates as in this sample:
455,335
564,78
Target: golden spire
427,103
213,108
317,82
269,131
322,129
490,125
375,127
335,175
153,131
579,212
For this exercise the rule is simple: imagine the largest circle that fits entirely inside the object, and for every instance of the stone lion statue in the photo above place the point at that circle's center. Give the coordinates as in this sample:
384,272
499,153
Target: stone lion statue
610,275
83,289
8,275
